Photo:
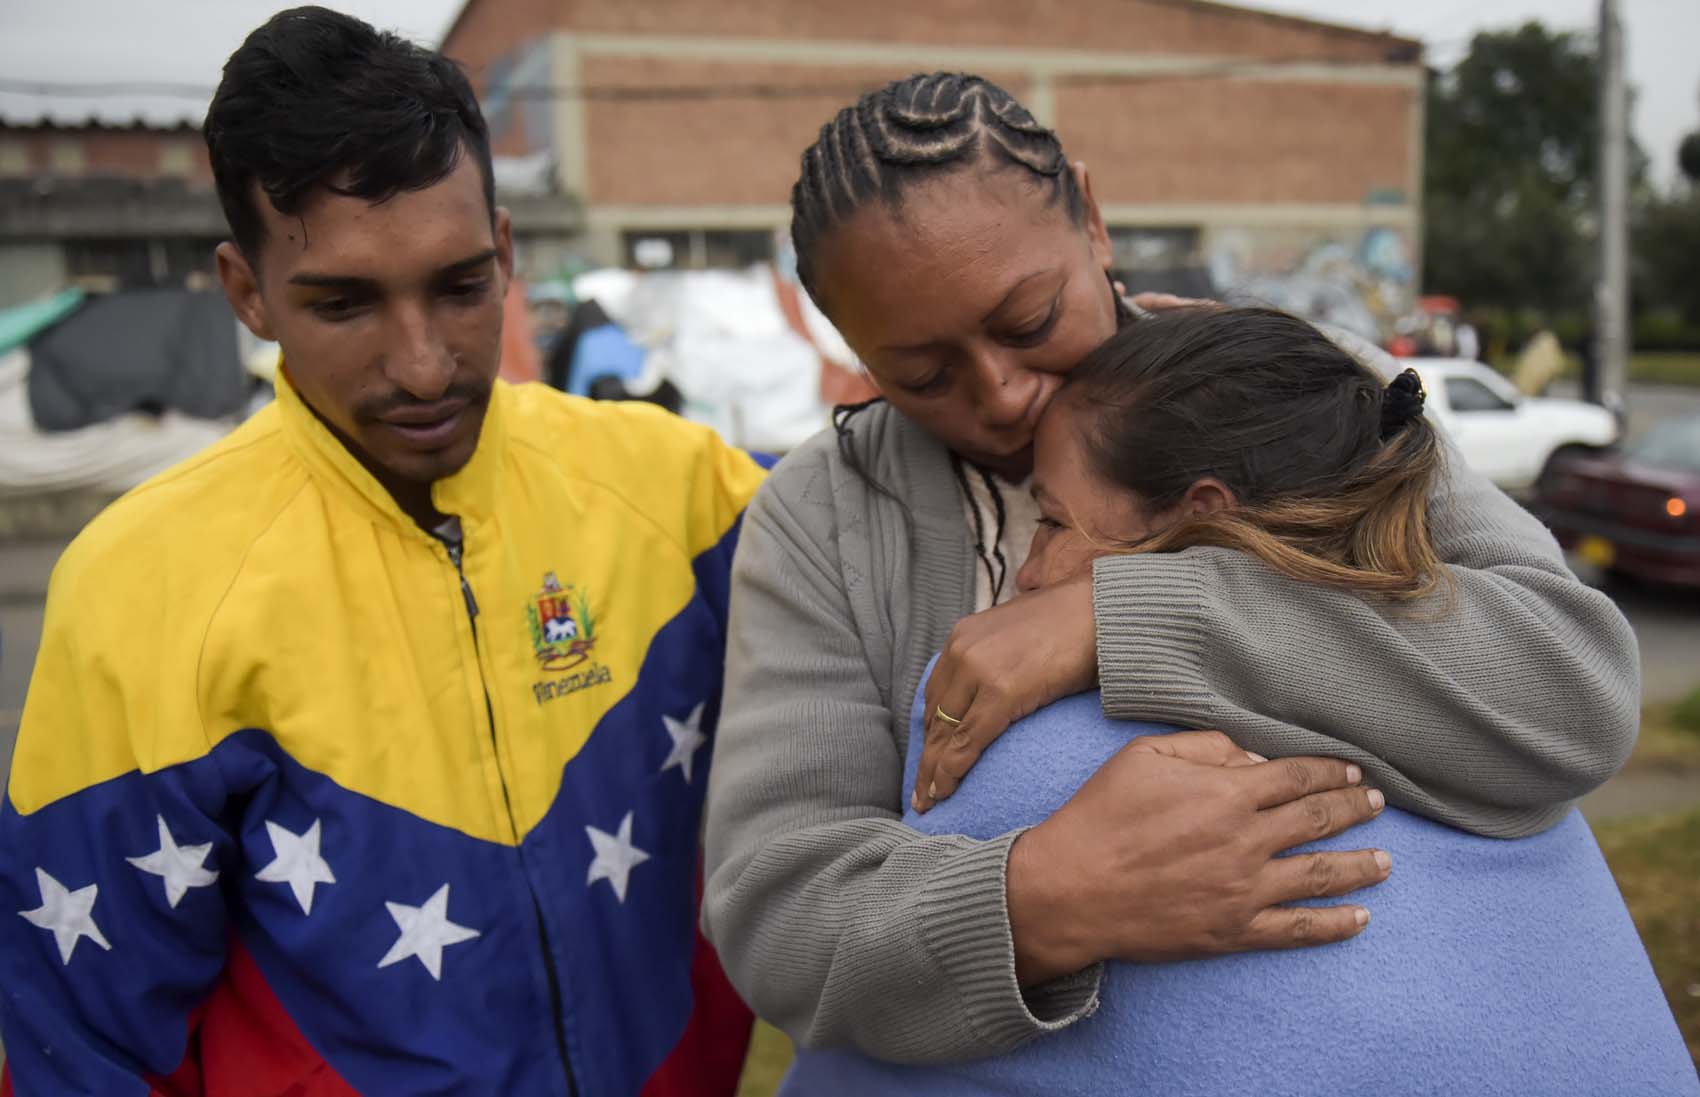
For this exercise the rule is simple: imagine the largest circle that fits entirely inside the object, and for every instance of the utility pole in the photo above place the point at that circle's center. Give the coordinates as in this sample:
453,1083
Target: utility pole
1611,288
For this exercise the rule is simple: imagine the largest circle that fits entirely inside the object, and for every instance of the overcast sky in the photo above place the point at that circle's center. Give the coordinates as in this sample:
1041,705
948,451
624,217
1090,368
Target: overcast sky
187,40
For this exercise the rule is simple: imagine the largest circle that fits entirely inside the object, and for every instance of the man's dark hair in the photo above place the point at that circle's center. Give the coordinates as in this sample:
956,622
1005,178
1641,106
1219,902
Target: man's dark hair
315,98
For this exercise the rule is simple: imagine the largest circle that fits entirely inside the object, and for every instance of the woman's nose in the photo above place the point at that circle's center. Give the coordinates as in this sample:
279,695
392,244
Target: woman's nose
1006,392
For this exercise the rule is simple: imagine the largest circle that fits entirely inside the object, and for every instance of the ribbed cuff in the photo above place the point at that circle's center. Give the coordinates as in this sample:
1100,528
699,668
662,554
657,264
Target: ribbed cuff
1061,1002
1149,616
965,928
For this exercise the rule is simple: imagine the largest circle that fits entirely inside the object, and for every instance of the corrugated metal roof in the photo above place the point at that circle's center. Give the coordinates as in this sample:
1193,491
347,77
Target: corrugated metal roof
118,109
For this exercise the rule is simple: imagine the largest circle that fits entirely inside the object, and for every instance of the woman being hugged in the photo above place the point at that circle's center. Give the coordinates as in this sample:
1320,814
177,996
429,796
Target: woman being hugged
964,260
1493,966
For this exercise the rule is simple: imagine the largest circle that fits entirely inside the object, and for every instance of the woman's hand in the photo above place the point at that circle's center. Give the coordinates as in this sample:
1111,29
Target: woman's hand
1172,851
997,667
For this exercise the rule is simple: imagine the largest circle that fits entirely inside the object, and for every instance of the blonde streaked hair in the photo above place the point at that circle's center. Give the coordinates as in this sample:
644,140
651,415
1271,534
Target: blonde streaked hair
1331,468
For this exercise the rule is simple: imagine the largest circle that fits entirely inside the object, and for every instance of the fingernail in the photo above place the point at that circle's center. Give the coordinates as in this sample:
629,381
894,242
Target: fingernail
1376,800
1383,860
933,789
1362,917
1254,756
915,800
1354,775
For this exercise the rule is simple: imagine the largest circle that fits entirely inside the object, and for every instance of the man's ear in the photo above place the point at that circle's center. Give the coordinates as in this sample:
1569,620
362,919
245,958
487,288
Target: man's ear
1207,496
1096,233
242,290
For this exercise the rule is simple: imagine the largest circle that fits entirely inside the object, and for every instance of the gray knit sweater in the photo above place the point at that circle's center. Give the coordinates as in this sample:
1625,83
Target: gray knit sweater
844,927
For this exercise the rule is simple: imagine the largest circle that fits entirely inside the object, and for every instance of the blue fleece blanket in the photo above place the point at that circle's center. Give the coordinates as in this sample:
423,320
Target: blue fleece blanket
1489,967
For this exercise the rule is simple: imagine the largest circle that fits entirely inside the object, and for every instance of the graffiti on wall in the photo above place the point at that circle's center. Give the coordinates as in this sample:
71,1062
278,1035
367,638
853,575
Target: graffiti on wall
1361,282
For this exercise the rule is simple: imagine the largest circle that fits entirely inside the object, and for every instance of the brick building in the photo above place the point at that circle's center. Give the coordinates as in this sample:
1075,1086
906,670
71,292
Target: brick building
98,195
1231,150
103,202
1237,149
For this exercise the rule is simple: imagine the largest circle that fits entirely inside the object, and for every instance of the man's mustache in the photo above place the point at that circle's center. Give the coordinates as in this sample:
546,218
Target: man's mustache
460,392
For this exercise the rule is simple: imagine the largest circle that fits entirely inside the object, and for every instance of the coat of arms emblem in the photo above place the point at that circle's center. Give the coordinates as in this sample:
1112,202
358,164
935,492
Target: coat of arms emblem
563,629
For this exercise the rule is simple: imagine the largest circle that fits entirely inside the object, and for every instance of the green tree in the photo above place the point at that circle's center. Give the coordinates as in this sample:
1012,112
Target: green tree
1688,157
1665,264
1511,146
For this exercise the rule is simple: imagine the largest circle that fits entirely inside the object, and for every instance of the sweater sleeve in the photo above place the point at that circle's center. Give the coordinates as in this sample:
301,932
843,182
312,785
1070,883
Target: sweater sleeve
1492,710
833,919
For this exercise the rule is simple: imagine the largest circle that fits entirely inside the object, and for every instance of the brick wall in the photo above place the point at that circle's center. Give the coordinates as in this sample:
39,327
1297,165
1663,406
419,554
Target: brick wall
1182,141
734,151
1177,140
1136,26
1222,141
131,154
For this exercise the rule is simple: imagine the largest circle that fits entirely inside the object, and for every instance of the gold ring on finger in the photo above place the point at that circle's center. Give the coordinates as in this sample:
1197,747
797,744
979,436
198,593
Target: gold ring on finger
938,710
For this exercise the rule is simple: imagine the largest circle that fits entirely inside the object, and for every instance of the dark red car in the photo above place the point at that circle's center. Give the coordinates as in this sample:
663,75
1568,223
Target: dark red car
1633,511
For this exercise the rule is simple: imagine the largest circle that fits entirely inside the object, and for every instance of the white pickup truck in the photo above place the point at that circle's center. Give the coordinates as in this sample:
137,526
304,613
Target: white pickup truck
1506,436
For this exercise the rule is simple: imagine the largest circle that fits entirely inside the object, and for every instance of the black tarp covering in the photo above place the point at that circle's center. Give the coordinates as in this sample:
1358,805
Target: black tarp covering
142,350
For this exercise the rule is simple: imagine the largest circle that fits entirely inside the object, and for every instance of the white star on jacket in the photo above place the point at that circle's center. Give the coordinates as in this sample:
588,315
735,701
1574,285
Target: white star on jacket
425,932
615,857
297,863
687,738
181,867
68,915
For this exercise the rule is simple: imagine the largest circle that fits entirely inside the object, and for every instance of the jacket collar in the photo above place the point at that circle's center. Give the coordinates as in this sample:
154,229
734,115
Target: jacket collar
471,494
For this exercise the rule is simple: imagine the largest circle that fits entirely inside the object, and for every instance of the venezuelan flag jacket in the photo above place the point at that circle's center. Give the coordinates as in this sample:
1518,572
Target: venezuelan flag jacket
304,803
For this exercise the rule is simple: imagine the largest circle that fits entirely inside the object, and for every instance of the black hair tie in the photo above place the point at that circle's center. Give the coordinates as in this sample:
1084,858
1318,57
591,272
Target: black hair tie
1401,402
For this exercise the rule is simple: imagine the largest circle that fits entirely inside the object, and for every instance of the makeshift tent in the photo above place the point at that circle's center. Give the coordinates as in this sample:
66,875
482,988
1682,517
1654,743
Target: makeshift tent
722,338
604,351
20,324
586,316
144,350
112,456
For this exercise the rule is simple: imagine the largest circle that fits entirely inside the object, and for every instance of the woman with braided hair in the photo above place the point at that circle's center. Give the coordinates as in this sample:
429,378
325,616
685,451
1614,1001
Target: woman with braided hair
1247,429
964,259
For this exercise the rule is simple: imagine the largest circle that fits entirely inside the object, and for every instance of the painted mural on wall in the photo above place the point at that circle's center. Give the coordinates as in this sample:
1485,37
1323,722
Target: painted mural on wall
524,123
1362,282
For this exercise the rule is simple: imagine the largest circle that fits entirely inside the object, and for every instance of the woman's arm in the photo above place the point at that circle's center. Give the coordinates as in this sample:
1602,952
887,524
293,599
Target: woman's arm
834,920
1492,711
845,927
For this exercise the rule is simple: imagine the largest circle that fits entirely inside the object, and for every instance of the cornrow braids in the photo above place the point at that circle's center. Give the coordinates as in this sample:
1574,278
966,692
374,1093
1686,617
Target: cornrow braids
998,570
910,130
843,429
1001,518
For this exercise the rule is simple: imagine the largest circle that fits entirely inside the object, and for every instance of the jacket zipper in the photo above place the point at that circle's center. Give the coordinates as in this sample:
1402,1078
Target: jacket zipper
557,1011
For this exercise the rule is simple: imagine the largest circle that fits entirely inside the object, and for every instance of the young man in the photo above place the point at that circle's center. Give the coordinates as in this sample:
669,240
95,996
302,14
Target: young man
366,750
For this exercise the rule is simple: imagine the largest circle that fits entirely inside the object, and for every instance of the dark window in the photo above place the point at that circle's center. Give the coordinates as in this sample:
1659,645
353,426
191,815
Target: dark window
1468,394
676,249
1672,445
736,248
1154,248
138,264
657,249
